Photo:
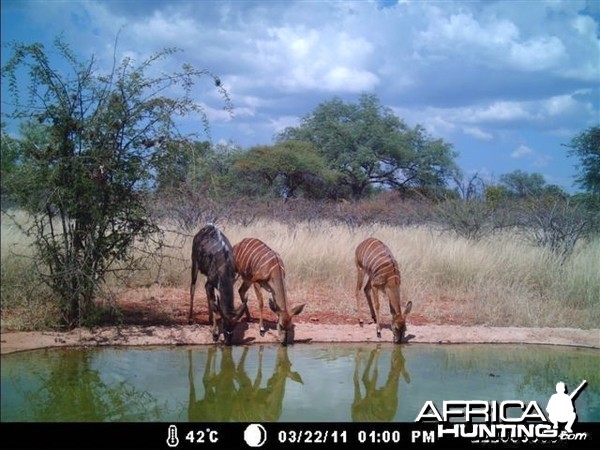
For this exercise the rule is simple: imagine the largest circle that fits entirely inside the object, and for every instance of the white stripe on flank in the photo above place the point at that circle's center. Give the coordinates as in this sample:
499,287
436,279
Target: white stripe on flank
254,252
243,254
374,256
367,249
270,257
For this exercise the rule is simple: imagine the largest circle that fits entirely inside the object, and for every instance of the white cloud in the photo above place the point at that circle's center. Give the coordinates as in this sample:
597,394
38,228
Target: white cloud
278,124
499,111
168,30
329,60
527,153
537,54
523,112
495,42
521,151
354,80
477,133
584,25
559,105
486,121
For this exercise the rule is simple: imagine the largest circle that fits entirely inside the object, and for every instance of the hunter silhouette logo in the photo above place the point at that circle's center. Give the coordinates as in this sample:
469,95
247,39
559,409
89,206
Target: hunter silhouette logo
561,407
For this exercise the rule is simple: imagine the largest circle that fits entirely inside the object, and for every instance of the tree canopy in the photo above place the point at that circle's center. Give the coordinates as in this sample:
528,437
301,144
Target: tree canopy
586,146
368,146
288,169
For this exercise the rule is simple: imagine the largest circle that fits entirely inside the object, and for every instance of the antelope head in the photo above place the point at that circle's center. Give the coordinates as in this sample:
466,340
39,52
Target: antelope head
228,320
285,326
399,323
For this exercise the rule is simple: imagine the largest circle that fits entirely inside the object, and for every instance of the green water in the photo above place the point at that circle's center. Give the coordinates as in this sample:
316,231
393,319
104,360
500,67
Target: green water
316,383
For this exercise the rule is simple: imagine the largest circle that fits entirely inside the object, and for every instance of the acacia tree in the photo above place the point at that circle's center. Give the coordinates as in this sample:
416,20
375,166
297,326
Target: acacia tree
367,145
586,146
521,184
289,169
84,172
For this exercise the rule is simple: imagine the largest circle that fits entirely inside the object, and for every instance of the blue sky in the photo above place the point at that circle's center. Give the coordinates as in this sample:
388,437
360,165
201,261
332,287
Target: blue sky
506,82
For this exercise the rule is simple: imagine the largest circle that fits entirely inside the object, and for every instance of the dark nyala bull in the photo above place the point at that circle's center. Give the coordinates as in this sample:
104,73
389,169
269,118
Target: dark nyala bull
212,255
261,267
376,261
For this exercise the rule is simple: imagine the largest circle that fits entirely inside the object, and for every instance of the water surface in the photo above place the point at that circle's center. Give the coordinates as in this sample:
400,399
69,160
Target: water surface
316,383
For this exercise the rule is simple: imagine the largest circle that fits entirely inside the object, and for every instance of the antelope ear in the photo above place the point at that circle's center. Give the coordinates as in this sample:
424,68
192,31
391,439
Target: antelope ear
273,305
295,376
297,309
408,308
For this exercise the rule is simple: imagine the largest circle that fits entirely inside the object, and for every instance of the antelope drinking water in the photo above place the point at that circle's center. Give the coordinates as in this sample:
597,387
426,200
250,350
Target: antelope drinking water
212,255
375,260
262,267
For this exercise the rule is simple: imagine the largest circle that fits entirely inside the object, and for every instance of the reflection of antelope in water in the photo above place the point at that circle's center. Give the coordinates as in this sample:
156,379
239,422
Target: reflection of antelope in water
223,401
378,405
263,404
219,387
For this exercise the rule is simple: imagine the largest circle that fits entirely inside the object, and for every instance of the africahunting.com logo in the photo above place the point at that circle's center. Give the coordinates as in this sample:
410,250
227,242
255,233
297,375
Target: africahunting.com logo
507,421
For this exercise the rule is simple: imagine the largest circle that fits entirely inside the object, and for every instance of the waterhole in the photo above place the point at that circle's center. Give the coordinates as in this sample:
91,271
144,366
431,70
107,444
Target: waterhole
314,383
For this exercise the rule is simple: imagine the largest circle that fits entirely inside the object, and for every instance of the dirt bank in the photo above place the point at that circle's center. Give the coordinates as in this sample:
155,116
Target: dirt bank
158,316
305,332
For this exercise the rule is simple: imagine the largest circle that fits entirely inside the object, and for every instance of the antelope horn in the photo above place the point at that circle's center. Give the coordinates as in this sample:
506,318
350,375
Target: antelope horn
236,315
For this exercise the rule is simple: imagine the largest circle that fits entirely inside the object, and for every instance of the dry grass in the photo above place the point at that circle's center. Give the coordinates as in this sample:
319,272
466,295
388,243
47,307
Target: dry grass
499,281
25,302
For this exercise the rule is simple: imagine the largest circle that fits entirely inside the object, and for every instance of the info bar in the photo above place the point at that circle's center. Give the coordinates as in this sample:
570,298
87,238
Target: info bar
268,435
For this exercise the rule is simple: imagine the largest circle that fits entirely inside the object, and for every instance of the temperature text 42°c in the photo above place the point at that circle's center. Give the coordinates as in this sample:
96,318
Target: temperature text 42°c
206,436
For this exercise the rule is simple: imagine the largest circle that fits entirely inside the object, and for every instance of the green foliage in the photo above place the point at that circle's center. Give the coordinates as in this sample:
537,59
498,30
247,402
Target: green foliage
586,146
9,150
368,146
291,169
87,158
495,195
175,160
519,184
522,184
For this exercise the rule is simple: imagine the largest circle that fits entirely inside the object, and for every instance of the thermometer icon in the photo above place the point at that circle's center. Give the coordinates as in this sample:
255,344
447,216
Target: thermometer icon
172,439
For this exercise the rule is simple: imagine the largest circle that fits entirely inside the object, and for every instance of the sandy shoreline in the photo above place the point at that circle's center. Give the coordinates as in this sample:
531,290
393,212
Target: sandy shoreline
305,332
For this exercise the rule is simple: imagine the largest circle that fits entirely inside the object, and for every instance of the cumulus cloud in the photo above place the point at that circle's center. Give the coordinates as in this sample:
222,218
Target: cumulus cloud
309,59
478,133
167,30
528,111
521,152
495,42
489,119
278,124
527,153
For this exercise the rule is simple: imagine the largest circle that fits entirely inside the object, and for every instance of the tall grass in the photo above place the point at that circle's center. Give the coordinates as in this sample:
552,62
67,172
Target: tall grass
25,302
497,281
500,281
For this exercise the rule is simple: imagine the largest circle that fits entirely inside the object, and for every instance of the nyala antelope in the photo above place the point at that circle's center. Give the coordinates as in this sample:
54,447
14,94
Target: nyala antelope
261,267
376,261
212,255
